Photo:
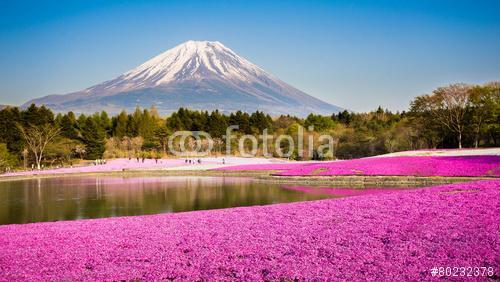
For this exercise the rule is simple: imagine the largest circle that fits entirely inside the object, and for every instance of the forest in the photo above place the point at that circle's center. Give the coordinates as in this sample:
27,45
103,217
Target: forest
454,116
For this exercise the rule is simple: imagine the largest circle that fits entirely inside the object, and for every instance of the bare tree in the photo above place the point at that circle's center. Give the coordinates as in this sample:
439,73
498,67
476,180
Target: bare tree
447,106
80,150
25,158
218,145
37,138
136,145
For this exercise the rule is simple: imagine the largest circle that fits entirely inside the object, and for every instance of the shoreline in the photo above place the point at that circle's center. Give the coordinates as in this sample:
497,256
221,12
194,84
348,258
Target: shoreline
395,170
264,175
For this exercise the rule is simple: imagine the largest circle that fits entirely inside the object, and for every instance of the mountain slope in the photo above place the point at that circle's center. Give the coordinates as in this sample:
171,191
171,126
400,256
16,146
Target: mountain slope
198,75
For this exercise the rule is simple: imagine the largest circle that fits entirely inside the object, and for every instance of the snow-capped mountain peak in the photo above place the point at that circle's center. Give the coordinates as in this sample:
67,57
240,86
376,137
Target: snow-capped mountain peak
189,60
203,75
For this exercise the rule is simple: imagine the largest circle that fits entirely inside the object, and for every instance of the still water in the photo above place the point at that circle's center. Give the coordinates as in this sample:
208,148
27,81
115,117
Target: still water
69,198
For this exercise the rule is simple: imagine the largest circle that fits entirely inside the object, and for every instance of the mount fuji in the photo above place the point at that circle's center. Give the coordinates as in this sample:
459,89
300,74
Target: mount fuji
201,75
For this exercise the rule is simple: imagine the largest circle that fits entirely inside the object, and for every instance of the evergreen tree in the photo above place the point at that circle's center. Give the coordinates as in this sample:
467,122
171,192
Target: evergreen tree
58,119
135,122
80,122
120,125
161,135
146,126
174,122
217,124
184,116
34,115
105,123
242,120
343,117
9,133
68,126
93,137
259,121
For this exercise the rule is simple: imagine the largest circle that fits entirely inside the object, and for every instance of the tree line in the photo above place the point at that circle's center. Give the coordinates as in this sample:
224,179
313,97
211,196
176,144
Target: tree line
453,116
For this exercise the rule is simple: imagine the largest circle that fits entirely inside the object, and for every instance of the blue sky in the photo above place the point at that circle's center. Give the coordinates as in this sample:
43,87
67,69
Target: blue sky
355,54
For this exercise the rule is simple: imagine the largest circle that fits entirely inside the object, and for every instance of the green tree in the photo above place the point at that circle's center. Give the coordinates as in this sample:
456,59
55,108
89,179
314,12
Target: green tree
217,124
135,122
161,136
68,126
485,110
175,123
260,121
6,158
62,150
105,123
34,115
447,106
318,122
146,126
242,120
120,125
9,133
93,137
343,117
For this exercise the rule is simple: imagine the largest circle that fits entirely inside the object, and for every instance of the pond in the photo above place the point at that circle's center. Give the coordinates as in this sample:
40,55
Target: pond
70,198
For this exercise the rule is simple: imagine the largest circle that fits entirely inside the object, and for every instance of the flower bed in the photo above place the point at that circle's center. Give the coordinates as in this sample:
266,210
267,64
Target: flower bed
161,164
253,167
402,166
111,165
341,192
391,236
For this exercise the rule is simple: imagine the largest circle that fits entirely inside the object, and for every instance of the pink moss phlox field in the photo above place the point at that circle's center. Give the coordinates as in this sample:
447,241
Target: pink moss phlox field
402,166
252,167
395,236
111,165
150,164
341,192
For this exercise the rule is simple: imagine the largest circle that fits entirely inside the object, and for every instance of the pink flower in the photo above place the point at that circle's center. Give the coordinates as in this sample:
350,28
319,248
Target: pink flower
389,236
402,166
